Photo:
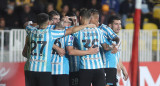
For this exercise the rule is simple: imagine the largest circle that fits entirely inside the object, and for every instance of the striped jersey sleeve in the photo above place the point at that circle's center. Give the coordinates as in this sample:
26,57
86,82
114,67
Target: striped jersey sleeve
102,39
69,40
29,29
108,31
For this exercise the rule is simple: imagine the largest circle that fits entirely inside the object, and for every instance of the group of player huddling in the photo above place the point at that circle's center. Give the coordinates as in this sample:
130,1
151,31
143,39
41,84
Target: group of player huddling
63,53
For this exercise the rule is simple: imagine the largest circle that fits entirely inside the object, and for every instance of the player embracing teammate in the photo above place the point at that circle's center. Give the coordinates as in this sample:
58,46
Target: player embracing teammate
55,59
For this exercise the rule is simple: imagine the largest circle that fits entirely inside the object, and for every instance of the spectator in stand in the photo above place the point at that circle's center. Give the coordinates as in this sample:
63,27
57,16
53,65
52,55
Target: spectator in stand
126,10
50,7
65,10
114,5
52,1
3,6
6,35
105,14
93,4
2,24
39,6
147,11
11,18
27,15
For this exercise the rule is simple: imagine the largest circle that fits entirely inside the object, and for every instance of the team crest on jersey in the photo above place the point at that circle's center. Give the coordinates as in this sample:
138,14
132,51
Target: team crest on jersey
71,37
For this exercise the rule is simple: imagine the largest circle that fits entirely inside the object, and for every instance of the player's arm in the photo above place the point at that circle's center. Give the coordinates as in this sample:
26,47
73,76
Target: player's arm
124,71
112,35
104,44
29,23
26,46
78,28
107,47
110,47
59,50
117,40
76,52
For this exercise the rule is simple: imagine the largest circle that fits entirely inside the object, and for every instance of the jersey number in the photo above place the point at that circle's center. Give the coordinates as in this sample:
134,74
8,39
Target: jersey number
56,42
88,41
35,45
75,81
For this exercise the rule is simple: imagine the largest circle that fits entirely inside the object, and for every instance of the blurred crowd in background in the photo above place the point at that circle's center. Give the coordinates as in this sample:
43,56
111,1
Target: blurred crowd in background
14,13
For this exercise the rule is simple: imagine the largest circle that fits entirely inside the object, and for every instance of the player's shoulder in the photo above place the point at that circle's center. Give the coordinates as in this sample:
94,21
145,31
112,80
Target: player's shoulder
51,27
30,28
103,26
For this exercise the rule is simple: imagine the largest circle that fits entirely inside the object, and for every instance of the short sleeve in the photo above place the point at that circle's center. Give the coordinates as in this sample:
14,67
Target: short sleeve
29,29
108,31
69,40
102,39
76,34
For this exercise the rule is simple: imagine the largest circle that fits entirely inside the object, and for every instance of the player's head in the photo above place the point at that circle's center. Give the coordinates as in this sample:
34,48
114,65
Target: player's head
43,19
114,22
60,25
94,17
72,17
65,22
54,17
85,16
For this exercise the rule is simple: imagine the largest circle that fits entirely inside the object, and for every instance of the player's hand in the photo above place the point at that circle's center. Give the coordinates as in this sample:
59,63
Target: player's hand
114,50
125,75
118,70
66,19
91,25
34,24
93,50
61,51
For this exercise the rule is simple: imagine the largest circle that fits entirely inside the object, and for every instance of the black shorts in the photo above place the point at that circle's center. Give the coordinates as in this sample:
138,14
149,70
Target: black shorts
73,78
40,79
60,80
94,76
27,77
110,74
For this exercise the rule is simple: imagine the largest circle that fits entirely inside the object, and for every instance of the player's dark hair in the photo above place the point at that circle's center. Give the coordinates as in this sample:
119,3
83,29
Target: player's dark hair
112,18
85,13
42,18
53,13
94,11
70,14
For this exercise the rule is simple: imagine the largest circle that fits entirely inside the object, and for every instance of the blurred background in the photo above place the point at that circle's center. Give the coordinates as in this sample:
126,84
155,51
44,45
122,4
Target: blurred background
14,13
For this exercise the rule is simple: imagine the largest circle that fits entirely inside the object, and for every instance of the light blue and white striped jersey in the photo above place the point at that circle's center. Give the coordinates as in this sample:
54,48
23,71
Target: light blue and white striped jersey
60,65
110,60
29,29
85,39
41,42
108,32
74,61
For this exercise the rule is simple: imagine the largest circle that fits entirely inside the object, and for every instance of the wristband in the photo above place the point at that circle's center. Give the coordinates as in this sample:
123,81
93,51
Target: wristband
30,22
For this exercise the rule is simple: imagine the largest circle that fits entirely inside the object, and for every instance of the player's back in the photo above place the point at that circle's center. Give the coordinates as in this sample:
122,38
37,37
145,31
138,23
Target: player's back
41,42
60,64
39,49
85,39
